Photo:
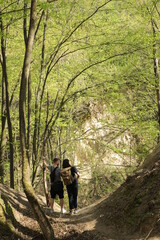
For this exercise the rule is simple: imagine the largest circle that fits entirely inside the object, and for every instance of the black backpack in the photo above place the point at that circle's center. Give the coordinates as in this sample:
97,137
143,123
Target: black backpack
52,175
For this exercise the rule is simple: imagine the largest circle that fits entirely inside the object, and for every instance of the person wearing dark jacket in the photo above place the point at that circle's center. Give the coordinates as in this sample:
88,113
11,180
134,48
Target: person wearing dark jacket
72,189
56,183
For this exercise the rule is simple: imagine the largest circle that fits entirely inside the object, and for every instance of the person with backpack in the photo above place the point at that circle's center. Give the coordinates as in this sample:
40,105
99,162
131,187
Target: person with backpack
56,184
70,177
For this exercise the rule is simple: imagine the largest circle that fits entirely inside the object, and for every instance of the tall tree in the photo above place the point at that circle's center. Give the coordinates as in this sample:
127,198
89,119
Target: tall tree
5,77
3,128
39,214
29,86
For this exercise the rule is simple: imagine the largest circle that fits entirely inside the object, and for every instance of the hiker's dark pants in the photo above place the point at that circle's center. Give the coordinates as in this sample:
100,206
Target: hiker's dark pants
72,191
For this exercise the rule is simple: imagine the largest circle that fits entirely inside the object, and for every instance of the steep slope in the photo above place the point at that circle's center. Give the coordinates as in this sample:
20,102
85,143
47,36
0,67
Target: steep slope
133,210
17,221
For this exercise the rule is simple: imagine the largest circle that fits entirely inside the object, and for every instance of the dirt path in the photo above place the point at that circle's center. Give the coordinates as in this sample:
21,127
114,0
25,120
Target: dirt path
75,227
89,224
83,225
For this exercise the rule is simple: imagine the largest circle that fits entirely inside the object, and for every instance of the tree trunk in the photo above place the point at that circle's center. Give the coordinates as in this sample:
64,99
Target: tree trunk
4,75
29,120
39,214
3,134
156,73
37,123
29,86
45,154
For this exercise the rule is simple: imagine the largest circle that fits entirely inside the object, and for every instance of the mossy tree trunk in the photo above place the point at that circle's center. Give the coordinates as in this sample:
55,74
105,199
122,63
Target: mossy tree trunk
39,214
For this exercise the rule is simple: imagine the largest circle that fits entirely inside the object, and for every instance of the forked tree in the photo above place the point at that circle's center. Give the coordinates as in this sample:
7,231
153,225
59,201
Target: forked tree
28,189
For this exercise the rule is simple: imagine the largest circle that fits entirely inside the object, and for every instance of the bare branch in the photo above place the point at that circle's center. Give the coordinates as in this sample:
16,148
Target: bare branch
63,101
65,39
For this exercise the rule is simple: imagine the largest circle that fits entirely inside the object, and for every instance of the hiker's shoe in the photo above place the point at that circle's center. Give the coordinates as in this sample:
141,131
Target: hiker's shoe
63,211
75,211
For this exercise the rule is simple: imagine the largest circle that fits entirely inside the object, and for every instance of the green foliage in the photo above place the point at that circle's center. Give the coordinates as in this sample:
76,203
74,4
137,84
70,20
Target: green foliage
98,60
104,180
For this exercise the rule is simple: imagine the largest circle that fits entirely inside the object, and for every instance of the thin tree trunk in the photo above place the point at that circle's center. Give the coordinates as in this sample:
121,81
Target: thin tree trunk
25,23
29,120
39,214
3,134
156,72
4,73
42,72
29,87
37,108
59,142
45,154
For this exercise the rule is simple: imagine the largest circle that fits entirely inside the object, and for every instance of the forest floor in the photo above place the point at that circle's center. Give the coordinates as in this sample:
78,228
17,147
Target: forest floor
89,224
66,227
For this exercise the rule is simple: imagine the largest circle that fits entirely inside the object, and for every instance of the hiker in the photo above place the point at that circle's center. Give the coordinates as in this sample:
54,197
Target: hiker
56,183
70,177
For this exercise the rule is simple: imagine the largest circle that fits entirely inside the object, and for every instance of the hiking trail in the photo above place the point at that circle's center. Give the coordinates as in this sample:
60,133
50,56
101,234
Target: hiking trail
79,226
